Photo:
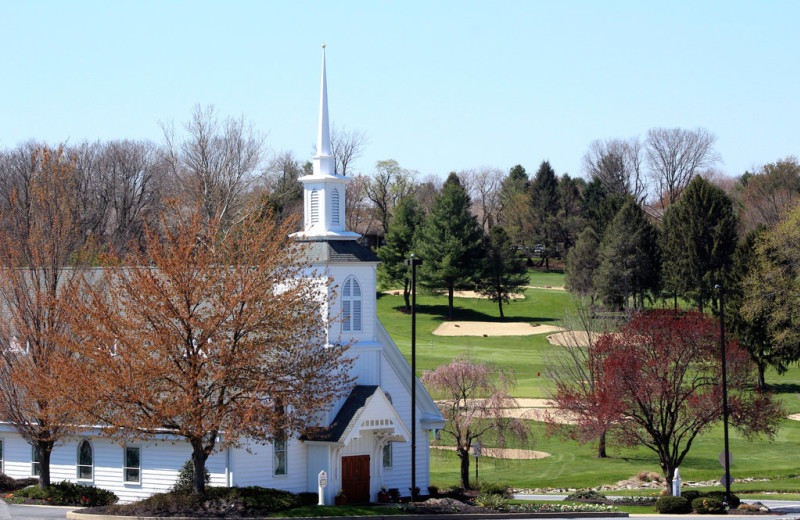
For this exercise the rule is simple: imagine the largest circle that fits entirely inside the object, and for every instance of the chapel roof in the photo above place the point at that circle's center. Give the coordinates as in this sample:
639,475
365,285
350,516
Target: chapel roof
337,251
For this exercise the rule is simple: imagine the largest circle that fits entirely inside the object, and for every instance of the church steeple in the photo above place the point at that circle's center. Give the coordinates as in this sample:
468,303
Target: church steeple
323,160
323,190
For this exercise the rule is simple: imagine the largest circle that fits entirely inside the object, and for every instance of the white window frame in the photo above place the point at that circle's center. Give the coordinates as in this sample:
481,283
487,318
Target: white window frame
78,464
35,464
277,451
351,302
387,449
126,468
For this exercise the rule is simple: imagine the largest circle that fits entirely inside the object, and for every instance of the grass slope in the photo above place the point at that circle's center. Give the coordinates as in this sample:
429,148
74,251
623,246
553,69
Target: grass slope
572,465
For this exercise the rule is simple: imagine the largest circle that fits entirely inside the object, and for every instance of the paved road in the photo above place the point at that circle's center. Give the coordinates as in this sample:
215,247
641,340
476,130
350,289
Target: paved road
17,512
788,509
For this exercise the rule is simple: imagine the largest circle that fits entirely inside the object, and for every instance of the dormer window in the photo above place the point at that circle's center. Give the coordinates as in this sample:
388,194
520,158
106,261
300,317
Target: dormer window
351,306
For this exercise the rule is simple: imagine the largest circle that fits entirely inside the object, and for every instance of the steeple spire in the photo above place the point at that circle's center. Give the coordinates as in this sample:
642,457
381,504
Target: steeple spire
323,135
323,160
323,190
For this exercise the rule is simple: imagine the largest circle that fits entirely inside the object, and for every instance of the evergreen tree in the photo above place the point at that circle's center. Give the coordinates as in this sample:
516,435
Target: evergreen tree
582,262
504,272
449,242
514,209
399,241
544,208
598,206
698,242
752,330
629,259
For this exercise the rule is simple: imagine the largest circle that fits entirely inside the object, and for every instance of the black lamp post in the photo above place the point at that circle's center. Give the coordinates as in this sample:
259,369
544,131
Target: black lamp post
413,262
726,454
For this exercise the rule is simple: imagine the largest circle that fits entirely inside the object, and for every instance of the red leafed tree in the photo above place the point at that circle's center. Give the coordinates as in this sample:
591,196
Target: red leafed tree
38,268
474,399
575,375
659,376
206,334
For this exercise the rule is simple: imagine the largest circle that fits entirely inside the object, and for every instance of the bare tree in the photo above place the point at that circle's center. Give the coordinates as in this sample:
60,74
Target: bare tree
617,163
674,155
483,187
388,185
358,216
284,190
215,162
427,189
346,147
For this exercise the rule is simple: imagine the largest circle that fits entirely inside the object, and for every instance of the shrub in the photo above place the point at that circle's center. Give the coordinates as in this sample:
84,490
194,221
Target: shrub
720,495
307,499
708,506
69,494
394,493
491,501
587,495
673,505
433,491
691,494
494,488
186,477
648,476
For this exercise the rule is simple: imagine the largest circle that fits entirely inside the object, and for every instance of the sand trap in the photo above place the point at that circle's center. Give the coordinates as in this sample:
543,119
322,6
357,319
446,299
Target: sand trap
491,328
532,410
459,294
548,287
795,417
573,338
504,453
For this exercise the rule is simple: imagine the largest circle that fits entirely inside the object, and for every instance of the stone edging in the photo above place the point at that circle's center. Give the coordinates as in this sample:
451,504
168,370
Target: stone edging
73,515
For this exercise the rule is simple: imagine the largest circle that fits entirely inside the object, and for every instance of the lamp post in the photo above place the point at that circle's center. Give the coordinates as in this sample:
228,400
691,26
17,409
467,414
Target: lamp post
726,456
413,262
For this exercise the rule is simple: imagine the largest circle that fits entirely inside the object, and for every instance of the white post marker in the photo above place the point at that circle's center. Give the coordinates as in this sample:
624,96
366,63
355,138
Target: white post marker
676,483
322,480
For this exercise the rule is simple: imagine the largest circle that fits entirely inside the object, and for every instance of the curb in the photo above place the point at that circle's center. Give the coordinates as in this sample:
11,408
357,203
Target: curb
73,515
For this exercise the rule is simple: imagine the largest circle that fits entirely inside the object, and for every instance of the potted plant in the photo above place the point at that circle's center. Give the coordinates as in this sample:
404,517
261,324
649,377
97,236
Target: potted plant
383,495
340,499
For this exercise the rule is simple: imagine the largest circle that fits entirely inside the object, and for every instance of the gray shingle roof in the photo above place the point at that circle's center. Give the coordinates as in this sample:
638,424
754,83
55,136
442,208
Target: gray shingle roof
335,251
355,401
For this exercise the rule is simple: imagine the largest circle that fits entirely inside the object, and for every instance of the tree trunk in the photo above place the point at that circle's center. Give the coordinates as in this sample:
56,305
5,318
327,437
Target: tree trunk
450,291
676,301
669,472
199,457
464,468
44,449
547,263
500,304
762,382
407,295
601,446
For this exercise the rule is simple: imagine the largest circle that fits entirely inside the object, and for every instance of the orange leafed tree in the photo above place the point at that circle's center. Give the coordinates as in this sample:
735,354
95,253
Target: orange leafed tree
208,334
39,269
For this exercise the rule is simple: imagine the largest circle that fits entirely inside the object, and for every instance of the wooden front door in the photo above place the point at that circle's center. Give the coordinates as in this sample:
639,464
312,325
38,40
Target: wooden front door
355,478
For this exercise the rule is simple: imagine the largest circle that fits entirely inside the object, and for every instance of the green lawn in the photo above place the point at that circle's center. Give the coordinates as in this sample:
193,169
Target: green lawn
572,465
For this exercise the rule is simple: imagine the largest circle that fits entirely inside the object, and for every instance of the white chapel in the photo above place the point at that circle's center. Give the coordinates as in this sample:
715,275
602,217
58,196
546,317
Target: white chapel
365,440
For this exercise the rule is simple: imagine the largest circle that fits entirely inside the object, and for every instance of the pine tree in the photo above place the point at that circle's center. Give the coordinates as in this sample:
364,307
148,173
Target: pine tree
582,262
629,258
504,272
406,220
449,242
544,208
698,242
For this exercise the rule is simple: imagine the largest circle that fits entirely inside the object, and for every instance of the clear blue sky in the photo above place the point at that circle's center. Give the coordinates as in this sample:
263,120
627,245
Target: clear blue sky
436,85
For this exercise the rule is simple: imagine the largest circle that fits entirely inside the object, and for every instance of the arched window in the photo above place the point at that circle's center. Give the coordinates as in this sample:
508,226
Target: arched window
314,206
85,460
335,207
351,306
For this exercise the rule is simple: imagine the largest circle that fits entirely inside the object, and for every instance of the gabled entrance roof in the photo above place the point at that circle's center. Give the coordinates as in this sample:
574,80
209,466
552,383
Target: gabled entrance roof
366,410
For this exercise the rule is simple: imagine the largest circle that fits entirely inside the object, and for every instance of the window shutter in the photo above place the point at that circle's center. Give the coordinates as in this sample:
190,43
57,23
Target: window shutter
335,207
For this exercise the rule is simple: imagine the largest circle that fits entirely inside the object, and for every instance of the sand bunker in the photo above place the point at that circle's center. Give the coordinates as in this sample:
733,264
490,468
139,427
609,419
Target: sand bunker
491,328
504,453
460,294
795,417
574,338
548,287
532,410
